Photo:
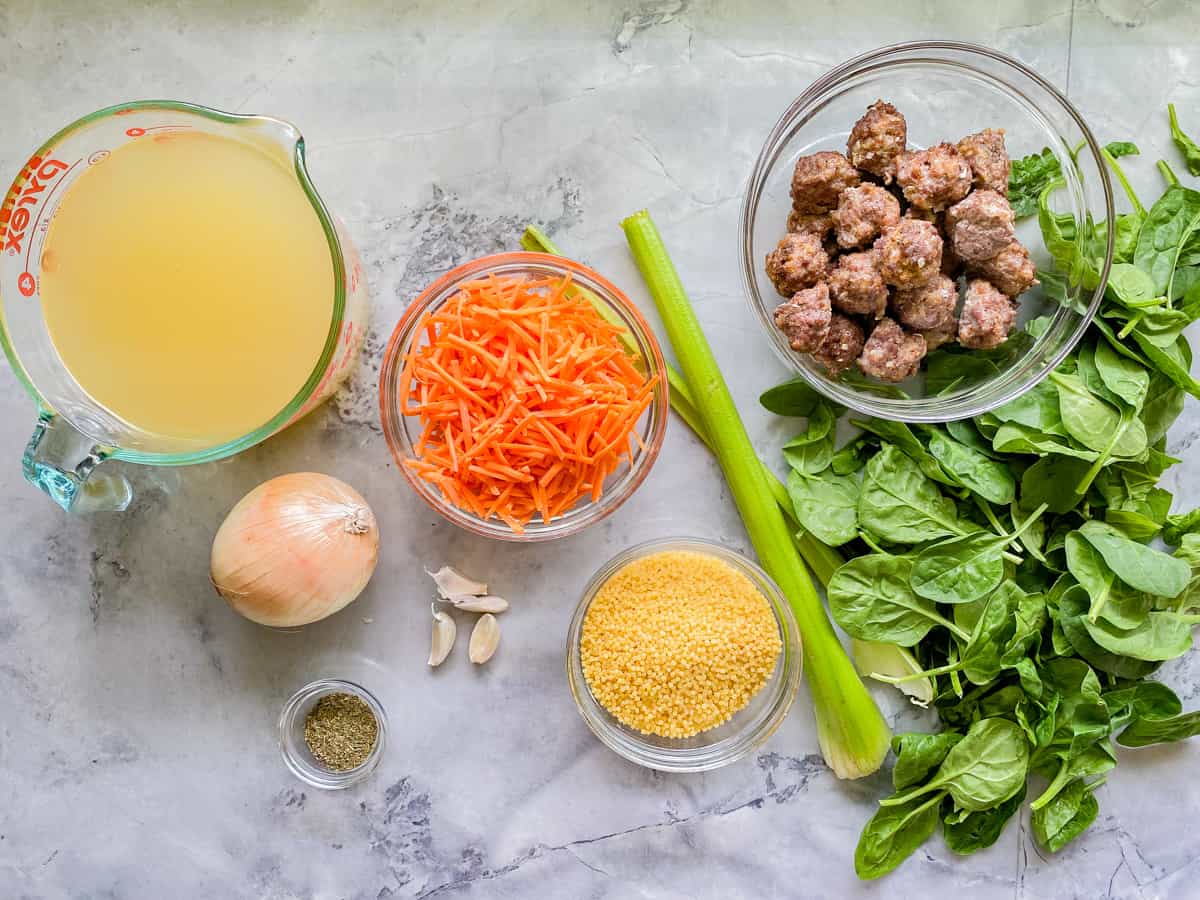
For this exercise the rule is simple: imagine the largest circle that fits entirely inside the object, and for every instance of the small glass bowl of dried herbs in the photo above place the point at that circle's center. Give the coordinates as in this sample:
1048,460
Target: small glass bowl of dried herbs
332,733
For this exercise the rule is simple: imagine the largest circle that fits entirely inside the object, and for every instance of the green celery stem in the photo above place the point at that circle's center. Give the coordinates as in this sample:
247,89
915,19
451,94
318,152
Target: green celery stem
853,735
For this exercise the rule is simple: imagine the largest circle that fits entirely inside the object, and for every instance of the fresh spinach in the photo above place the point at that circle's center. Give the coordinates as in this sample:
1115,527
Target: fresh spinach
985,768
792,398
1139,566
811,451
871,599
901,505
979,830
973,469
1065,817
919,754
1186,146
892,835
826,505
1144,732
1028,177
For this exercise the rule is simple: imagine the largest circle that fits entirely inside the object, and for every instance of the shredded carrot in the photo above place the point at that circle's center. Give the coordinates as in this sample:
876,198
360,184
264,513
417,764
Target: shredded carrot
526,398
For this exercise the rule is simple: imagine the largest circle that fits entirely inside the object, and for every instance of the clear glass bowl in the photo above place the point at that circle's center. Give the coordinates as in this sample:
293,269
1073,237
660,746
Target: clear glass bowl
746,730
945,90
296,755
403,431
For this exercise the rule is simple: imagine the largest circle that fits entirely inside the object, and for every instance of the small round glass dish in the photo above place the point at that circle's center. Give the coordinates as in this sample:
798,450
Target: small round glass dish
945,90
403,431
717,747
296,755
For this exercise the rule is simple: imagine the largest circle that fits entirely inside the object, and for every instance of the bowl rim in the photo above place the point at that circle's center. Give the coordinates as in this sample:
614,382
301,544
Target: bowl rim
631,744
582,515
913,410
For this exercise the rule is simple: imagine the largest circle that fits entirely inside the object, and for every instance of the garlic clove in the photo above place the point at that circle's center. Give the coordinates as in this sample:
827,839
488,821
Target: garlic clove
488,604
485,638
444,633
452,584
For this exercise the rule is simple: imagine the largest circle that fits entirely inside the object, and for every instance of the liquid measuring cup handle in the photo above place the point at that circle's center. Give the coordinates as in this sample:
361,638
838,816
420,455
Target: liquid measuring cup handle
62,462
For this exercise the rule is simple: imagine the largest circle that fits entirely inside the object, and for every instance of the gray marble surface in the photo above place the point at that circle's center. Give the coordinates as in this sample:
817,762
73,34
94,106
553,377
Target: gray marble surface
137,743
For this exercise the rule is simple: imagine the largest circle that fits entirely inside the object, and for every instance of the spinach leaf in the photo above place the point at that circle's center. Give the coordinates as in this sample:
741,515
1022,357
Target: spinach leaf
899,504
870,599
1028,177
959,570
826,505
1038,408
1142,568
1117,149
1071,618
852,457
983,657
1082,717
1136,523
811,451
1013,438
965,431
1144,732
1164,403
979,830
1094,423
1065,817
1110,597
1191,152
903,438
1170,361
1141,700
990,479
1131,287
988,766
792,398
1122,376
945,371
1052,480
1169,223
919,754
1181,524
1160,636
892,835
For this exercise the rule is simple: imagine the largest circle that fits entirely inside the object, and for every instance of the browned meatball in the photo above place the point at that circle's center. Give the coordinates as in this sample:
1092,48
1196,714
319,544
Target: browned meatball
841,346
979,226
857,287
927,307
820,224
877,139
1011,270
909,253
798,262
939,336
804,320
933,178
863,213
987,316
819,180
891,354
986,154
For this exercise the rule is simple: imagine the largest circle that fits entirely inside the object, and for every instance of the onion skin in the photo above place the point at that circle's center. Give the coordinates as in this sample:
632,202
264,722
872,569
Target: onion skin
295,549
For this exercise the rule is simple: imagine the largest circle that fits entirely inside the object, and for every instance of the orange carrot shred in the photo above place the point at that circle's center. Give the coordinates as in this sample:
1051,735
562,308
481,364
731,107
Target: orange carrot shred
526,398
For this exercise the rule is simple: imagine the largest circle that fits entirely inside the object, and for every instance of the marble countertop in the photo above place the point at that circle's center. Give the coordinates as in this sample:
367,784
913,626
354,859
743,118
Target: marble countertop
137,712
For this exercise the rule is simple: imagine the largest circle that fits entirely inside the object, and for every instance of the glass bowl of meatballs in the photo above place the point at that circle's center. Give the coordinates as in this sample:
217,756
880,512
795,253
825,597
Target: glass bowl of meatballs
880,248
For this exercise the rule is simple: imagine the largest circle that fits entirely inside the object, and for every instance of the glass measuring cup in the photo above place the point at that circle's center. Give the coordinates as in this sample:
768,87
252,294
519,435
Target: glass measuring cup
74,433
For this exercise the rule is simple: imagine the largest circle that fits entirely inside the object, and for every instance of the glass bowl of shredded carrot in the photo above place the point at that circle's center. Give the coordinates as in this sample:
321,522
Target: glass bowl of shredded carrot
523,396
683,655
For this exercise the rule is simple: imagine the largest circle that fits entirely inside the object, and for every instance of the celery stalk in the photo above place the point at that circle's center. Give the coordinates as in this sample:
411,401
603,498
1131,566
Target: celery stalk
853,734
822,559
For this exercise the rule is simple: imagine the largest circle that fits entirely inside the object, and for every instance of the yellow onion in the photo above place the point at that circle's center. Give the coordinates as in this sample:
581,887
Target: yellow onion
295,549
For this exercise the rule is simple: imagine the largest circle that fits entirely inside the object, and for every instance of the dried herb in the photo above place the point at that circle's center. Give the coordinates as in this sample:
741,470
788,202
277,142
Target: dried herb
341,731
